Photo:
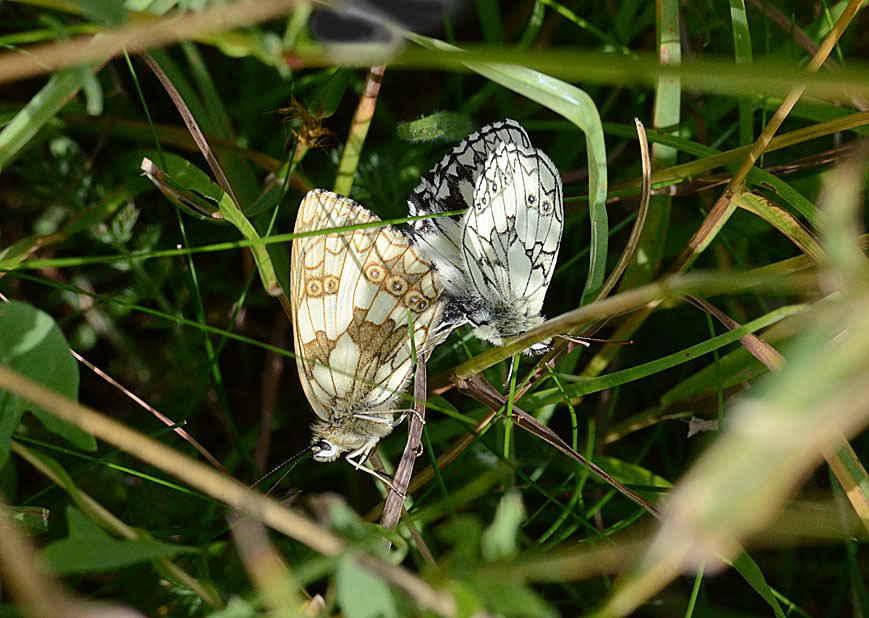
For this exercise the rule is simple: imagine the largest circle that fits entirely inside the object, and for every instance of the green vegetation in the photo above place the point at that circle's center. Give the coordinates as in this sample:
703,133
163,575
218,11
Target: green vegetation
146,210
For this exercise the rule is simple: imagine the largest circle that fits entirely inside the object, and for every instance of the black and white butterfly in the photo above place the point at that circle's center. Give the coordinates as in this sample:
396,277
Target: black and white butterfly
496,260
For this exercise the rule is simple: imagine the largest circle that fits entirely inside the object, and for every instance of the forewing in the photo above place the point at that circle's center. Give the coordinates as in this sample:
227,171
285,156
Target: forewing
512,234
449,186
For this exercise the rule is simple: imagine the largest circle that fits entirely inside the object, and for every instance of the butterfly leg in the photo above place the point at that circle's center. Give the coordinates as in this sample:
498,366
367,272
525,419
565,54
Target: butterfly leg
370,416
363,454
404,414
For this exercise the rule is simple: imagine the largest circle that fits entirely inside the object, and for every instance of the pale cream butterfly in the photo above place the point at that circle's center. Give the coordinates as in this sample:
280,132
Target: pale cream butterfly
351,292
496,260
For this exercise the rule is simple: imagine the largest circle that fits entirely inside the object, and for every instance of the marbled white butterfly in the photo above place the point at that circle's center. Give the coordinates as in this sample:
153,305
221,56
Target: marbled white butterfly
496,260
350,293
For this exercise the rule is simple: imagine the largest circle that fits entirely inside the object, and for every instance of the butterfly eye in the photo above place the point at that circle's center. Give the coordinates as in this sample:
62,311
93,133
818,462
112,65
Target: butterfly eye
422,305
314,288
374,273
331,285
547,207
396,285
531,199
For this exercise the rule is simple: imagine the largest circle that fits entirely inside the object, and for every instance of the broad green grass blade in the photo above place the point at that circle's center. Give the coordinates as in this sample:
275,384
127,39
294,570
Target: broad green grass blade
716,75
16,135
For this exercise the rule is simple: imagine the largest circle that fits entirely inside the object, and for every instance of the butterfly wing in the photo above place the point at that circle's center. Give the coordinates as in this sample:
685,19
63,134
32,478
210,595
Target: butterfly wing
511,236
350,295
449,186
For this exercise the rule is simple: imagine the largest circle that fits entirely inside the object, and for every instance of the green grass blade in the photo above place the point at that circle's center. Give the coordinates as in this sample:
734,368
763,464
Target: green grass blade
751,573
742,55
16,135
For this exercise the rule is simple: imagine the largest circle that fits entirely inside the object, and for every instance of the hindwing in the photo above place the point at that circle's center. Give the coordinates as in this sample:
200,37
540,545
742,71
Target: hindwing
512,234
350,295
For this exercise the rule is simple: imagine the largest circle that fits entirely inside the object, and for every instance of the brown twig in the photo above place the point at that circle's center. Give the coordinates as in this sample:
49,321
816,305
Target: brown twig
398,491
358,130
147,31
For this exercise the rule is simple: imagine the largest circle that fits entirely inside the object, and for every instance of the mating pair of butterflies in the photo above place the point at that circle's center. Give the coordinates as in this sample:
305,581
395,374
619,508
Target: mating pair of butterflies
356,294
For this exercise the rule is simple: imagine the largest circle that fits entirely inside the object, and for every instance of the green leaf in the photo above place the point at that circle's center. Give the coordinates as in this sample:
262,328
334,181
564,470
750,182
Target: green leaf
446,126
327,98
187,178
361,594
510,598
499,539
32,344
186,185
89,549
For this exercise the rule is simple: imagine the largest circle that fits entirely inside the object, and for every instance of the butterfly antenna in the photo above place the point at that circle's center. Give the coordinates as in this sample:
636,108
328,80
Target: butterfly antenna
292,461
586,340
